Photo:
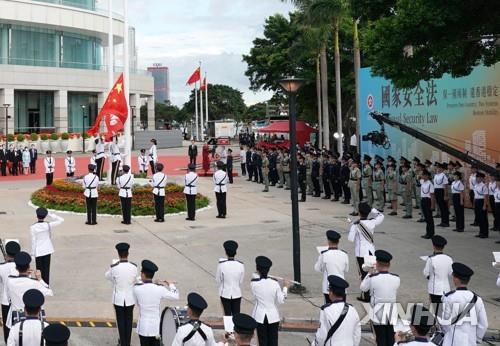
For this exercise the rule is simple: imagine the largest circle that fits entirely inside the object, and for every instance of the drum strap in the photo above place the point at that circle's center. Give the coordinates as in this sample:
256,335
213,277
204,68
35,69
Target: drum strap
196,328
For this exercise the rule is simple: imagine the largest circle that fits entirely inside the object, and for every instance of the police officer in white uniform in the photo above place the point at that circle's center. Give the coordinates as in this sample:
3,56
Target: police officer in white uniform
195,333
361,233
470,330
90,184
41,241
190,191
339,321
7,268
29,331
420,325
220,188
125,183
50,166
266,294
383,287
17,285
100,157
153,156
116,159
70,164
158,182
438,271
142,161
123,276
332,261
148,296
229,276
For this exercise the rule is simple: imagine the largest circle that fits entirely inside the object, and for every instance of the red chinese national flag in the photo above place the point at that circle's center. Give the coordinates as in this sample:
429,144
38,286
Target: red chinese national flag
114,112
204,84
196,76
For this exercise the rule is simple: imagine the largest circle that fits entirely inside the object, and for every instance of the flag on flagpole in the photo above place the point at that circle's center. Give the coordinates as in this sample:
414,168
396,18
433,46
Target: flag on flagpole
204,84
114,112
195,77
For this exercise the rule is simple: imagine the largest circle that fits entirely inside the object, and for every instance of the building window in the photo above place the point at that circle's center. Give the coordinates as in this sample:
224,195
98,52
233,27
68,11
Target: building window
33,46
80,52
76,121
33,111
85,4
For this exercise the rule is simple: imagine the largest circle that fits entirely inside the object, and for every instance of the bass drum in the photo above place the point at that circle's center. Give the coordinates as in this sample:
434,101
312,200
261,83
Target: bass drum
171,320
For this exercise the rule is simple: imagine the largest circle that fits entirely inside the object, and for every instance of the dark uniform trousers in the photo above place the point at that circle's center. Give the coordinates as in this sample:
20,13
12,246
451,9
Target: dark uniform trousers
191,206
384,334
472,201
126,209
221,203
43,265
231,306
149,341
494,212
159,207
425,204
443,206
361,260
317,187
6,330
303,188
436,302
497,216
99,167
326,186
346,191
33,166
482,217
3,168
260,178
49,177
337,188
91,210
243,169
114,171
153,168
267,333
124,315
459,211
250,171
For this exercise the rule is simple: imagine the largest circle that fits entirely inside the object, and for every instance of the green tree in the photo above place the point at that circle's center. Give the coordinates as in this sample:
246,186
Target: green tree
166,111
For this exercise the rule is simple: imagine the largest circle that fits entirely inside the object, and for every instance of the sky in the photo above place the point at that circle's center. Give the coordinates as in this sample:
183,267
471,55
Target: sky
181,33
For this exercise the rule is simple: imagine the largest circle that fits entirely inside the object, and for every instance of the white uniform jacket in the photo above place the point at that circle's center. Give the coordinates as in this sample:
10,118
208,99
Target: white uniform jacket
438,272
332,262
50,164
99,150
17,286
114,151
229,276
41,236
383,288
267,293
191,183
220,181
469,330
142,161
196,339
90,183
153,154
362,246
32,332
123,276
148,297
349,331
125,183
6,269
70,164
158,182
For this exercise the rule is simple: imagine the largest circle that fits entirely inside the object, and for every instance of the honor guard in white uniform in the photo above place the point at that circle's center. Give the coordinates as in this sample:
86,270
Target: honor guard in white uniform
90,184
158,182
361,233
50,166
426,196
41,241
383,287
123,275
338,321
481,201
148,296
70,164
153,156
220,188
7,268
190,191
332,261
17,285
29,331
229,276
266,294
441,193
100,157
472,186
195,333
459,331
420,325
125,183
116,159
438,271
142,162
56,335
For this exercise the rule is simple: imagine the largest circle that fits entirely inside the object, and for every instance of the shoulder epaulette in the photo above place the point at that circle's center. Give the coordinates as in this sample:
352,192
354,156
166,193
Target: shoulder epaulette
325,306
432,255
322,252
3,263
240,261
15,276
33,279
343,251
114,264
373,274
133,263
222,260
394,274
256,279
449,293
139,284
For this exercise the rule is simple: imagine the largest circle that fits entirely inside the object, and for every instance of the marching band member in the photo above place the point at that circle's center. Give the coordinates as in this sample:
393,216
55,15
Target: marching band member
220,188
383,287
123,276
100,157
56,334
361,233
29,331
229,276
70,164
90,183
332,261
158,182
116,159
420,325
153,156
142,161
148,296
50,166
190,191
7,268
339,321
41,241
195,333
125,183
267,293
438,271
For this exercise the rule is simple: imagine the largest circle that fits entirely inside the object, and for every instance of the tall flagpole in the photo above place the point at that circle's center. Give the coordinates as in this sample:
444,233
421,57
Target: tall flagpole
206,98
202,119
126,79
196,111
110,67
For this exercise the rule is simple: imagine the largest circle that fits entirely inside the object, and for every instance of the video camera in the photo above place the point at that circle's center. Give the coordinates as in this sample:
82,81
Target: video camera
378,138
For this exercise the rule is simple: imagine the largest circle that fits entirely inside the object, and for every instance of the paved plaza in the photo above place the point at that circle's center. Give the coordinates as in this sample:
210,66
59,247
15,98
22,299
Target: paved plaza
187,252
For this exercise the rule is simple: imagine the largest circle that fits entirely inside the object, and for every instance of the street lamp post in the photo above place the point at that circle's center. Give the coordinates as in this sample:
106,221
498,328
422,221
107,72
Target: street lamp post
132,123
291,87
7,117
83,127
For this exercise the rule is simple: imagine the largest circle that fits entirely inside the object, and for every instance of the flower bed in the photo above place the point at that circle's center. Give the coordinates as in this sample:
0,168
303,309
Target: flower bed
68,196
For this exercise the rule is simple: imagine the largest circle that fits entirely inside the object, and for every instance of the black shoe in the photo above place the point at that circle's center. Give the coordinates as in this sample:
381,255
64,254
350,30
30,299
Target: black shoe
407,217
453,219
483,236
392,213
219,216
325,197
316,195
443,225
436,216
93,223
287,188
420,220
346,202
416,207
88,223
335,200
354,214
474,224
460,230
425,236
265,190
280,186
361,299
492,229
478,236
302,200
497,242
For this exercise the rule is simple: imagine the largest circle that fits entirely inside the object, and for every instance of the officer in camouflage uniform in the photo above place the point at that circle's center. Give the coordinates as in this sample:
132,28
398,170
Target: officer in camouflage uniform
309,182
354,186
378,186
415,192
279,168
367,179
391,187
265,170
286,169
406,181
